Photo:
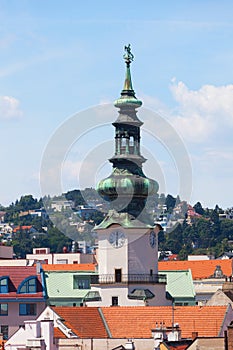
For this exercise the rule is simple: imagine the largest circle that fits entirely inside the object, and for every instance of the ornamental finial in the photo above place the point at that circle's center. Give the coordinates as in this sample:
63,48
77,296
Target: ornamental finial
128,56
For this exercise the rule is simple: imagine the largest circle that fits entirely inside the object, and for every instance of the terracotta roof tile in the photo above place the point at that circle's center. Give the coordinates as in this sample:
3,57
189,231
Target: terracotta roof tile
137,322
69,267
199,268
16,275
58,333
86,322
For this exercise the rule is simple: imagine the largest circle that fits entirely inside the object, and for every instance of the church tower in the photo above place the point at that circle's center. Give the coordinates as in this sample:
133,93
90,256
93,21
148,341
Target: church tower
127,237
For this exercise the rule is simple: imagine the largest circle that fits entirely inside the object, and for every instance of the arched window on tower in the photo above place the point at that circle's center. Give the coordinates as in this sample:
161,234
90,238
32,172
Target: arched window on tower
123,145
131,145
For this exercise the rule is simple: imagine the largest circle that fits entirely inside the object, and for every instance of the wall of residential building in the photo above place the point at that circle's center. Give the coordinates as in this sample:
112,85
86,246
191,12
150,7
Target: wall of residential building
14,319
100,344
6,252
206,288
121,292
62,258
207,343
34,336
14,262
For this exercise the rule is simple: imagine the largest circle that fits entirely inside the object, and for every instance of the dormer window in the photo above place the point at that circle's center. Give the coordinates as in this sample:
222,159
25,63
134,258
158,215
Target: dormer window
3,285
29,285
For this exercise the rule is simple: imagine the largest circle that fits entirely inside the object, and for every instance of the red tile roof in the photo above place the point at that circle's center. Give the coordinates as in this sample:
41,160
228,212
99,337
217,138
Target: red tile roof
137,322
16,275
23,228
86,322
58,333
69,267
199,268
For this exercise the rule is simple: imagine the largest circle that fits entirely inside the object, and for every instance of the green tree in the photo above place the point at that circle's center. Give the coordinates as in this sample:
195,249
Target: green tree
198,208
170,203
174,239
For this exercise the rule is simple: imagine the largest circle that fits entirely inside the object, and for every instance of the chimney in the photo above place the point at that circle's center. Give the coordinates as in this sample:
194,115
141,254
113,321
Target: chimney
33,327
47,332
194,335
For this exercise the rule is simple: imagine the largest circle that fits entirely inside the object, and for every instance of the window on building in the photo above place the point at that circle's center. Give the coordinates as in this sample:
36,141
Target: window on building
40,251
178,304
4,331
62,261
118,275
4,285
114,301
3,309
27,309
81,282
28,286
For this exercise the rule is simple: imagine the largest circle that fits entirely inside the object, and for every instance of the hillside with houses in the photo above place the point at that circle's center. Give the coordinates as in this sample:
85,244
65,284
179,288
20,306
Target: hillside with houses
57,222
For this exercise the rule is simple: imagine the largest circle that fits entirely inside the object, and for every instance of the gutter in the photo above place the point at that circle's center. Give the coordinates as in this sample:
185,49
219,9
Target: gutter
104,322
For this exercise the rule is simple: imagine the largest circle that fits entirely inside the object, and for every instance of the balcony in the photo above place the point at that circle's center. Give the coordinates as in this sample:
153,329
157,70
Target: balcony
128,279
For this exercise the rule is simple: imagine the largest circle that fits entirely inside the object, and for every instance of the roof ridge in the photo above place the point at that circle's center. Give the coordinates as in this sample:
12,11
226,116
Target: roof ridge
104,322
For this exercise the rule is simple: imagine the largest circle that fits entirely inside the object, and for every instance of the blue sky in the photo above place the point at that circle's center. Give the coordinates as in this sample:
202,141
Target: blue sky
62,57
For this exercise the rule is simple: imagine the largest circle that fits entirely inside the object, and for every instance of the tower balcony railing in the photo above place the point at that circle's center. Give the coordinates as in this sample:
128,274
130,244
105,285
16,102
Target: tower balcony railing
128,279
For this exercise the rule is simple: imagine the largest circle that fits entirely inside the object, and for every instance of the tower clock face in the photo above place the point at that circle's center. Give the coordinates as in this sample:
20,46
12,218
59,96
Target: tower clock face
152,239
117,238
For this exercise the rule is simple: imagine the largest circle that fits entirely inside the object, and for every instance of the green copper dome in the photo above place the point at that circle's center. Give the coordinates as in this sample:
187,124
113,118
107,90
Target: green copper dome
119,185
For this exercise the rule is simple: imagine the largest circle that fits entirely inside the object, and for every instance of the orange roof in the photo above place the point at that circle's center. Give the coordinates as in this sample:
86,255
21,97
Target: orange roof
69,267
58,333
199,268
137,322
86,322
18,228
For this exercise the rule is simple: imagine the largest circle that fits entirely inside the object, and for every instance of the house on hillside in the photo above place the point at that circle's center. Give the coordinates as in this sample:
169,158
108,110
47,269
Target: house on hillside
22,296
2,215
45,256
226,255
24,228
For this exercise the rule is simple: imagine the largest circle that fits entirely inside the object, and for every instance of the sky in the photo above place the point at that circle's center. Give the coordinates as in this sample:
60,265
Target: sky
61,68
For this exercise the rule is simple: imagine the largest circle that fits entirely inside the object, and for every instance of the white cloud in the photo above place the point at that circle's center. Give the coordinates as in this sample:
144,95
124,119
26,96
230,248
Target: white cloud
9,108
200,113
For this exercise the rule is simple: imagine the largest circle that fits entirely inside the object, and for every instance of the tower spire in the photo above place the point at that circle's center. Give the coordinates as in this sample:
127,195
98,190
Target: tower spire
127,188
128,57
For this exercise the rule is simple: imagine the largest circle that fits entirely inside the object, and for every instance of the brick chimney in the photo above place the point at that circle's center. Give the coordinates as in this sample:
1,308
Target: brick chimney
194,335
